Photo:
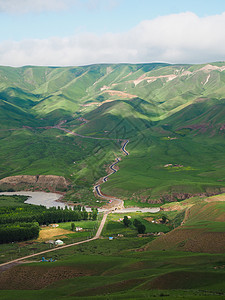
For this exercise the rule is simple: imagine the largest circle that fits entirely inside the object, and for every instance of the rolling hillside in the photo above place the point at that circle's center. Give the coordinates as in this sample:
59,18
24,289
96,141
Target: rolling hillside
203,223
172,115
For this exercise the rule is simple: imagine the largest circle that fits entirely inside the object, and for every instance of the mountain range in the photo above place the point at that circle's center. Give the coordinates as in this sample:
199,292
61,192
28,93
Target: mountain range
172,115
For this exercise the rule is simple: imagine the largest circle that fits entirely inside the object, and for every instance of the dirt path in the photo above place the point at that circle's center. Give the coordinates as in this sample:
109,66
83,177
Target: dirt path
12,263
186,215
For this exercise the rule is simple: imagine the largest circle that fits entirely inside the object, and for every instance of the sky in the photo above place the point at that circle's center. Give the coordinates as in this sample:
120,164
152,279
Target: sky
82,32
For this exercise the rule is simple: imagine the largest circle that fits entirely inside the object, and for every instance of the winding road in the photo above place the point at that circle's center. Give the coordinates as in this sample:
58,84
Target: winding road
118,203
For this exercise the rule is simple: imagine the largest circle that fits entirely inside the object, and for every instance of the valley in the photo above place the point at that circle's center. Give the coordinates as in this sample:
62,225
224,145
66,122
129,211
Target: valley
143,144
171,114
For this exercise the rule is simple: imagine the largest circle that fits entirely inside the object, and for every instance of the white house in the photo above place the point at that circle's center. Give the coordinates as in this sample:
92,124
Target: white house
79,228
59,242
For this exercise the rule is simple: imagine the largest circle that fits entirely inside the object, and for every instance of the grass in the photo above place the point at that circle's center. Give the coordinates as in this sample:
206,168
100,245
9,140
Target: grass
117,269
15,250
131,275
113,226
202,231
40,96
12,200
143,177
120,269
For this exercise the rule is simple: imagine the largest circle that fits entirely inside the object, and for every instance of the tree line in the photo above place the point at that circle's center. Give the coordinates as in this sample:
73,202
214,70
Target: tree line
22,223
18,232
44,215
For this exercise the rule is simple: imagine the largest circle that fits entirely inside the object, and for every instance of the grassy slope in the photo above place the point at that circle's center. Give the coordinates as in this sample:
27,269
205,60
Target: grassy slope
118,269
203,223
36,96
117,274
143,170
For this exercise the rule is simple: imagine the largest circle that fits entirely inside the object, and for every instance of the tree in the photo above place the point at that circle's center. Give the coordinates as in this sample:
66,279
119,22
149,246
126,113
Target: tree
126,221
164,219
72,226
136,222
141,228
94,214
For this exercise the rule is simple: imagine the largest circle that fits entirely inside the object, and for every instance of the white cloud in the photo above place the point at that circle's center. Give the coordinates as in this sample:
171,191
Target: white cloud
38,6
178,38
25,6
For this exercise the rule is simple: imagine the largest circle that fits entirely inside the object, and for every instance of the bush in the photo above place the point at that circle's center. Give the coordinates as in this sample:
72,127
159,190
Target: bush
72,226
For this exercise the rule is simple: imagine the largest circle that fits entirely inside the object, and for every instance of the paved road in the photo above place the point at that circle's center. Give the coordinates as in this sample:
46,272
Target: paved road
118,203
112,168
124,146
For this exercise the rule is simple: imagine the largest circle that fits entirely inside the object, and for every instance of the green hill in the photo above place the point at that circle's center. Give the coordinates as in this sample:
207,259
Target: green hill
172,115
202,224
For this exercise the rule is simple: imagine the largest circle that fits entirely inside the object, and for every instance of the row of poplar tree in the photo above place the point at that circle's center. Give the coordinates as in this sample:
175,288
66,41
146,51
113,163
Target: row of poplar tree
22,223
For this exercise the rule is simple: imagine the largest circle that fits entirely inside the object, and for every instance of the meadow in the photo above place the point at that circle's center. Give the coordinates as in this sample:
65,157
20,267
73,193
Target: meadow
127,267
103,271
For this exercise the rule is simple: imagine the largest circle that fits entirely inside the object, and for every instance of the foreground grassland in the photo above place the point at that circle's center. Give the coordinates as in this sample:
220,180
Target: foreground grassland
115,270
127,267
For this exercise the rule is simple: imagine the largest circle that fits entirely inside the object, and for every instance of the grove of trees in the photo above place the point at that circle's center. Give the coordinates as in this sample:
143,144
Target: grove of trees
20,223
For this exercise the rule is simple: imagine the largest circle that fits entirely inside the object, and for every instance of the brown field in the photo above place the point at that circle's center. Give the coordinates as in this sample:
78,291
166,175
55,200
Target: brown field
111,288
49,233
149,219
194,240
182,280
20,278
216,198
194,234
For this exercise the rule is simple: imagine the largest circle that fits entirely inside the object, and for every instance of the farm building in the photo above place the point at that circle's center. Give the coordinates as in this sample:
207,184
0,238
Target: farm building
79,228
59,242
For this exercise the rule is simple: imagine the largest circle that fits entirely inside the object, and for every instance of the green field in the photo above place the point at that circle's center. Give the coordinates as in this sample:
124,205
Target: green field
108,272
114,226
126,267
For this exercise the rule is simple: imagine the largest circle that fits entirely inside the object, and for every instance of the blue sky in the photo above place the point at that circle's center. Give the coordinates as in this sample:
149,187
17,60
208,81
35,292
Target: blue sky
75,32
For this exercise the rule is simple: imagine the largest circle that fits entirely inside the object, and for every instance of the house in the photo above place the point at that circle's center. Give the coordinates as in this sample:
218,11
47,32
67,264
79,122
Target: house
59,242
54,225
79,228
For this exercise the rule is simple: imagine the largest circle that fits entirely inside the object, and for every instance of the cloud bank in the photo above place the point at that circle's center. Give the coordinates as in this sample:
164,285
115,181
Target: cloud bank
177,38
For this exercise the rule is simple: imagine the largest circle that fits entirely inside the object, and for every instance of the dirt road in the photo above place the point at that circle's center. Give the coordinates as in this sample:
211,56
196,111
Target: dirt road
98,234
